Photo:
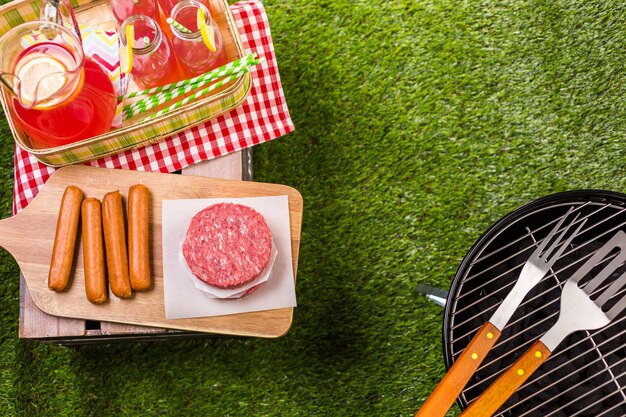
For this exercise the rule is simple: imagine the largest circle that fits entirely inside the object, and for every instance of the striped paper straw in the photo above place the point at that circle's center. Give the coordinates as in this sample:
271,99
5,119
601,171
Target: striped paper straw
196,95
224,70
177,25
155,100
162,97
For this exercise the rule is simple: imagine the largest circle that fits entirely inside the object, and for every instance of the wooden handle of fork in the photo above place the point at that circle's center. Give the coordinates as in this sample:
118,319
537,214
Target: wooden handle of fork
500,391
442,398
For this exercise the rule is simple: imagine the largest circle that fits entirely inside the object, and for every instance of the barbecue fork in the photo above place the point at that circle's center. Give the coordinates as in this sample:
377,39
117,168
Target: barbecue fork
578,312
535,268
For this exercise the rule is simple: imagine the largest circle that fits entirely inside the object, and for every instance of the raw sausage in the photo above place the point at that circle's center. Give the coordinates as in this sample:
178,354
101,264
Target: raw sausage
93,251
115,244
139,237
65,239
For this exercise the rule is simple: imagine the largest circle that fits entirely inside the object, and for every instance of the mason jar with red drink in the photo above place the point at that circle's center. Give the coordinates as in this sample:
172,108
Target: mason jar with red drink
194,51
153,61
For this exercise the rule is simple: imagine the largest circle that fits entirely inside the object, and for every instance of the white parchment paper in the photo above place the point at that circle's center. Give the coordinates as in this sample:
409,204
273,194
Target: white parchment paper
184,300
215,292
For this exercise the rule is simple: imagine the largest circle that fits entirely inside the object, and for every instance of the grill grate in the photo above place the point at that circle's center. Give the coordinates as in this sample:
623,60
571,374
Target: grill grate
586,375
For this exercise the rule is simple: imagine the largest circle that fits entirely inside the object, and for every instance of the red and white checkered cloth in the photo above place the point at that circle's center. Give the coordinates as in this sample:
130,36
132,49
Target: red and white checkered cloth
262,117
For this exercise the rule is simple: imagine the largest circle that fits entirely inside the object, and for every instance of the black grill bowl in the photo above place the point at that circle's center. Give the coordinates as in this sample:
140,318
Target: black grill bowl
586,374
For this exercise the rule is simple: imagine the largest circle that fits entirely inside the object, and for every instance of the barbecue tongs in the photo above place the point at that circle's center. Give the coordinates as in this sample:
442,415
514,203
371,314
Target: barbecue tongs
535,268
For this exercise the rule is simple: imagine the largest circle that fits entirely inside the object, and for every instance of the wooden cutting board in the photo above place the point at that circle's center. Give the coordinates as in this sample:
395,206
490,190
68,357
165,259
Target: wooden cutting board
29,237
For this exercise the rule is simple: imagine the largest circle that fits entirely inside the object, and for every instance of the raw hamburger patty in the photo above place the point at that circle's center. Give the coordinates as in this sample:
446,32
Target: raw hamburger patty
227,245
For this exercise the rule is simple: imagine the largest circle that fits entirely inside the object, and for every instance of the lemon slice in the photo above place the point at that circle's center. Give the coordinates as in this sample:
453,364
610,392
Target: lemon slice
207,32
41,76
128,53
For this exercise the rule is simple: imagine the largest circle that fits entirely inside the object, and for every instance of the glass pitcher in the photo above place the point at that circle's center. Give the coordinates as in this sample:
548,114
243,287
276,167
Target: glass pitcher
56,94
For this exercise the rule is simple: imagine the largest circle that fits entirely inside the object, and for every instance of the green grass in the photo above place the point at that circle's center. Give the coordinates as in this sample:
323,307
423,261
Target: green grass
418,125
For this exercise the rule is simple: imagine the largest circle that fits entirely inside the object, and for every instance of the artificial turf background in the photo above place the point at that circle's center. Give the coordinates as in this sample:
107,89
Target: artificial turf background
418,125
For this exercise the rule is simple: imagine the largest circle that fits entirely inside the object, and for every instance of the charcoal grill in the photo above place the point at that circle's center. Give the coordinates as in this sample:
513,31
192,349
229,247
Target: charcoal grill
586,375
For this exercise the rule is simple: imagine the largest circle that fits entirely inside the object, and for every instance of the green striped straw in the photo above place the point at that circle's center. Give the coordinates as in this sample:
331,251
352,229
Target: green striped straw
155,100
196,95
177,25
215,74
162,97
150,102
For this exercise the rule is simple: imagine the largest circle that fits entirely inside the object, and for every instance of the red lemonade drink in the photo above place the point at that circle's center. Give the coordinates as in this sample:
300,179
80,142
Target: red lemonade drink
122,9
168,5
60,100
190,48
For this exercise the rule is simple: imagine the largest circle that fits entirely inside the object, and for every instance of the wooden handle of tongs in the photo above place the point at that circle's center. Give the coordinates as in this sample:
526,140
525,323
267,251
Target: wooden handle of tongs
444,395
500,391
